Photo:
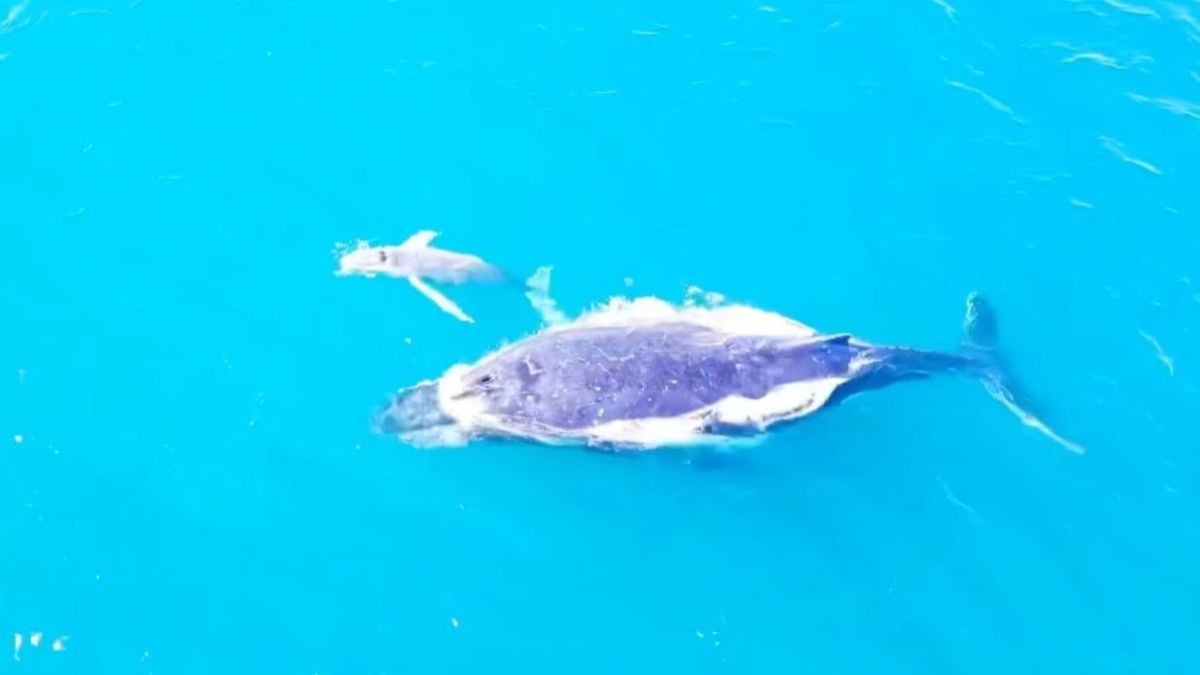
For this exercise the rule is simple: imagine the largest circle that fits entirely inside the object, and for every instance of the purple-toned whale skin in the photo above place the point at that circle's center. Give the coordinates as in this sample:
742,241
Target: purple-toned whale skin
577,379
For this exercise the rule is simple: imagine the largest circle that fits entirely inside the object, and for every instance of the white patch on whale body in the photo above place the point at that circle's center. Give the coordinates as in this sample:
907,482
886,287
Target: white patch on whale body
785,402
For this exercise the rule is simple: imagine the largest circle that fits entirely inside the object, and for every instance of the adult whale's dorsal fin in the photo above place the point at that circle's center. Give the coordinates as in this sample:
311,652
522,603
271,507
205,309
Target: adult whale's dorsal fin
820,338
419,240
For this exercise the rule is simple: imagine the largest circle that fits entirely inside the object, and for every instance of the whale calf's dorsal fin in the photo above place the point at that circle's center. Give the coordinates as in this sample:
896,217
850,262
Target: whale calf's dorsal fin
419,240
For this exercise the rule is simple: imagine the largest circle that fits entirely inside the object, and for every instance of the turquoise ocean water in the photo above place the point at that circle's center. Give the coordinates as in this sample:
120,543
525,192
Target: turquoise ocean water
188,479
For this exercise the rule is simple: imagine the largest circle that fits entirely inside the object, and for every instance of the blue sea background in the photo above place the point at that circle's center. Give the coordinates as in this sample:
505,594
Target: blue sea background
189,482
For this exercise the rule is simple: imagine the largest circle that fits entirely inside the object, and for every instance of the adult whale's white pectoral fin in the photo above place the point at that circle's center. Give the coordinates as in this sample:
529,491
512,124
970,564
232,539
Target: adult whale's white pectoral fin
995,388
438,299
419,240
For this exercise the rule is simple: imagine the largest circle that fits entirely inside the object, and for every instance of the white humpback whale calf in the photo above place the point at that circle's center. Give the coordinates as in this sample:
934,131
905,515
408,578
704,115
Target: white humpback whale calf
415,261
644,374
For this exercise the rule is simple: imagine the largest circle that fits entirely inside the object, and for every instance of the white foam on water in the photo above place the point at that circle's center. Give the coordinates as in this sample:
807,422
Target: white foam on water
697,295
1095,57
1172,105
948,9
950,497
1159,352
992,102
1136,10
1116,148
733,320
448,436
14,14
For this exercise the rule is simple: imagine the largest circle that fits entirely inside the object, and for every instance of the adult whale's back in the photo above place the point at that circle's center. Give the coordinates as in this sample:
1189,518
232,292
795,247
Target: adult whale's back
575,379
646,374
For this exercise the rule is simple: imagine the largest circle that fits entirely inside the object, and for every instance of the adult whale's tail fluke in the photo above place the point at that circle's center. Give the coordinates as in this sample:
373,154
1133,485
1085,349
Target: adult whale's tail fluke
980,342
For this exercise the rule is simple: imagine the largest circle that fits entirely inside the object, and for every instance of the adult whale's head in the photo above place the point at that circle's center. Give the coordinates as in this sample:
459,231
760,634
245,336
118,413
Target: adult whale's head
447,410
442,412
415,414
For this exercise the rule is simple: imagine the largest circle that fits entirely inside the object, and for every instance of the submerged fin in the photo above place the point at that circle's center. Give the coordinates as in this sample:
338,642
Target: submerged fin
980,342
415,416
440,300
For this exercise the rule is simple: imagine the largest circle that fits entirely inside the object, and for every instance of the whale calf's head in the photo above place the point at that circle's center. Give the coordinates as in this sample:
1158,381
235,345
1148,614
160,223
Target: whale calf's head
367,260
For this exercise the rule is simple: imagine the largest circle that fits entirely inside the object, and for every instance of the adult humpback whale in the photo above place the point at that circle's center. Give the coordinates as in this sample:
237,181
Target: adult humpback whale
646,374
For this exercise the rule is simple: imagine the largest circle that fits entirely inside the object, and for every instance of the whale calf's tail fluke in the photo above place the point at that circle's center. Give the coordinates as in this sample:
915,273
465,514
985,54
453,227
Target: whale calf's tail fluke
980,342
537,291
